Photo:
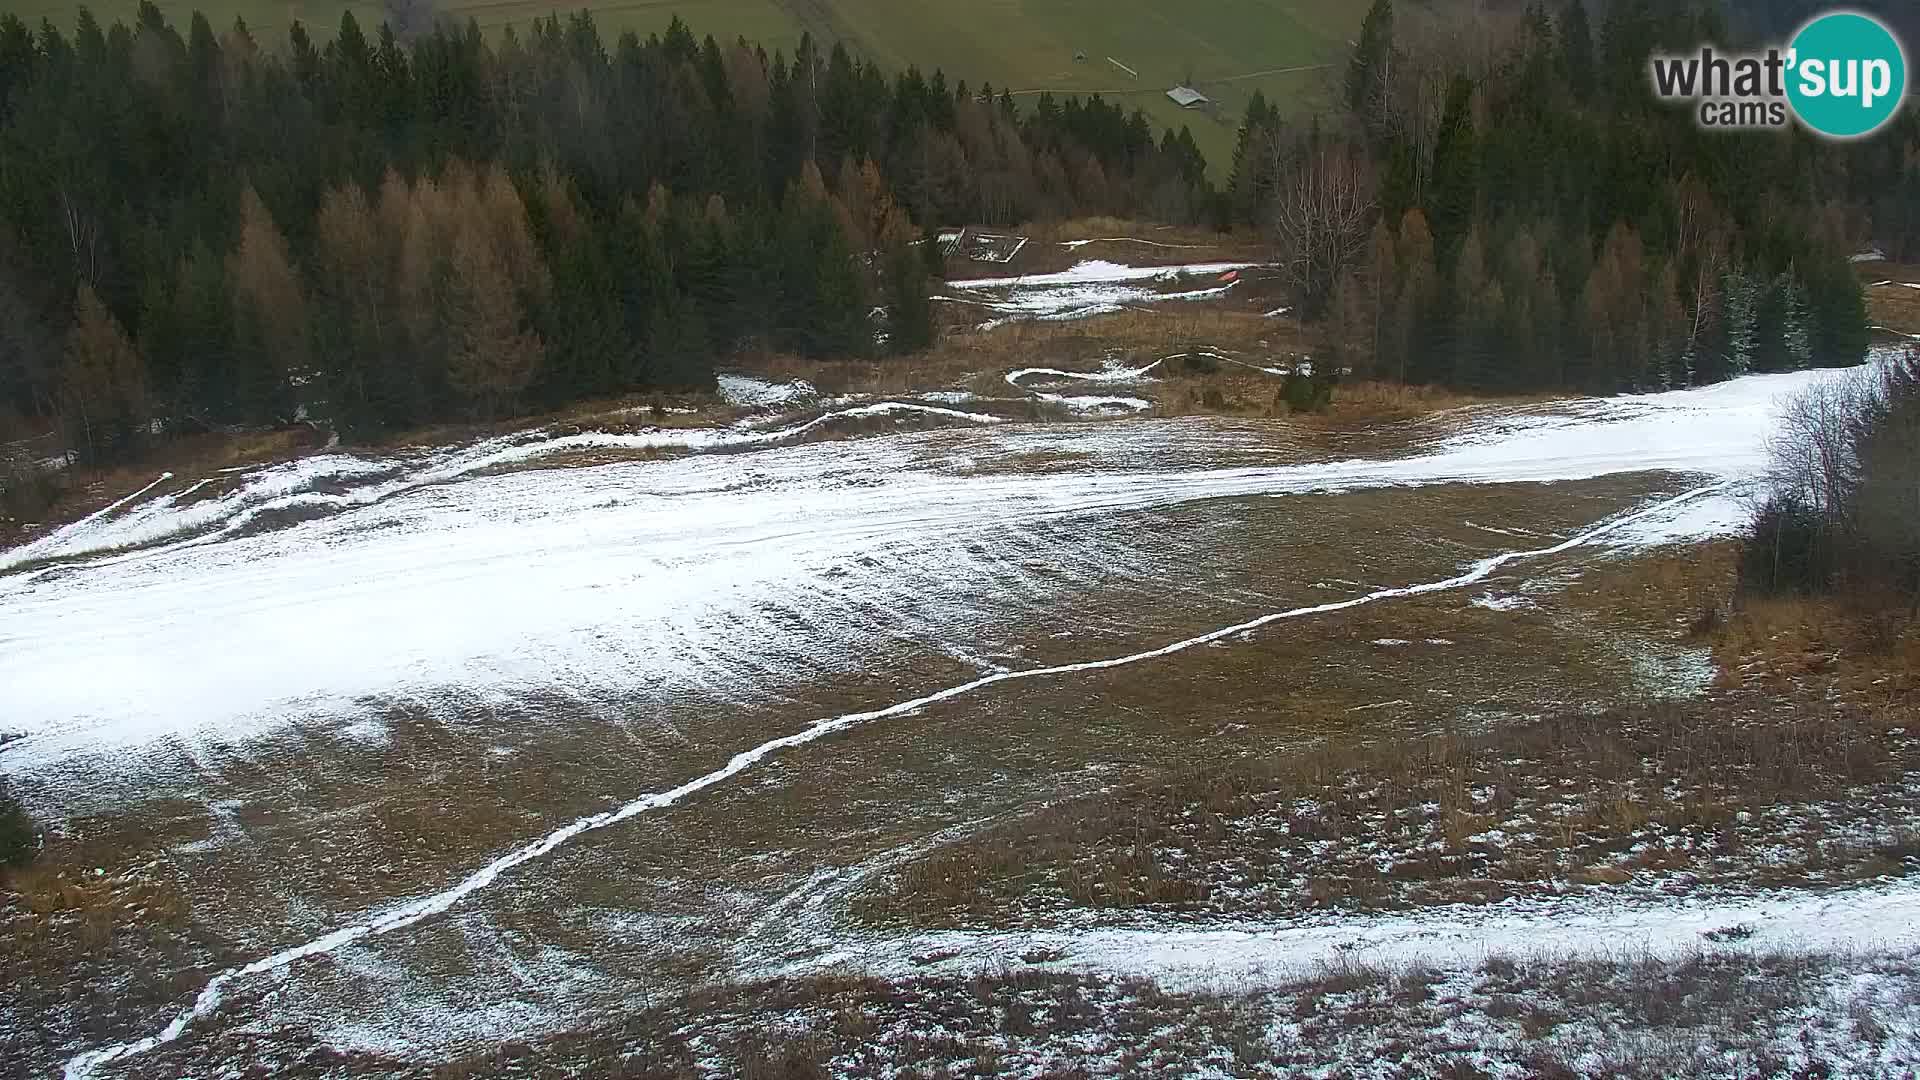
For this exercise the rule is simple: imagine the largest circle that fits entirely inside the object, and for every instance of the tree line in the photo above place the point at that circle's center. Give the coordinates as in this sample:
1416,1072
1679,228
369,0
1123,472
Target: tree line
204,230
1510,209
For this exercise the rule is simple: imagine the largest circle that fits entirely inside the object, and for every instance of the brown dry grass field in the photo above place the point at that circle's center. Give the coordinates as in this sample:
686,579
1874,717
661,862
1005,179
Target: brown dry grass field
1784,774
1892,307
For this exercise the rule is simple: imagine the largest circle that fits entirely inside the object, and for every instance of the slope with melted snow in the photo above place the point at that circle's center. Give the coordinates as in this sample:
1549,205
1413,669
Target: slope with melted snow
407,915
658,573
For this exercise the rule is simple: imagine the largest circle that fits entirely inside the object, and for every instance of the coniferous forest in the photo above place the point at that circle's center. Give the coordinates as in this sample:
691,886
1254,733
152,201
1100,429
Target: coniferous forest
1518,212
194,222
200,230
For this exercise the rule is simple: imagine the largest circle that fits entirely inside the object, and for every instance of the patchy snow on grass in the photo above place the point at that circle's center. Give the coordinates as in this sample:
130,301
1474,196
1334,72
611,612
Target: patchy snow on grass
400,584
1111,372
748,392
1510,602
323,484
1721,514
1100,271
1093,403
1085,403
1094,287
1879,916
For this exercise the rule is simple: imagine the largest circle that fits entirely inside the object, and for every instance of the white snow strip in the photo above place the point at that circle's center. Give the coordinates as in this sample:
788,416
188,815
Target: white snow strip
1075,245
1087,403
118,503
1082,302
1882,916
289,487
83,1065
1722,514
745,391
1100,271
1095,403
398,585
1277,312
1869,256
1111,374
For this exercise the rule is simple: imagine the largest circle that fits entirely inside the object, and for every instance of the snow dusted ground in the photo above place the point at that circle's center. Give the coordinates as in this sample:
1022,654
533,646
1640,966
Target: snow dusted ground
398,576
1877,917
748,392
1094,287
304,590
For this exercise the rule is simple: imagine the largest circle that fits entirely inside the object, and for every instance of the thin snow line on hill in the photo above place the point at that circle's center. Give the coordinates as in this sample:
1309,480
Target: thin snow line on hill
1075,245
84,1065
1112,374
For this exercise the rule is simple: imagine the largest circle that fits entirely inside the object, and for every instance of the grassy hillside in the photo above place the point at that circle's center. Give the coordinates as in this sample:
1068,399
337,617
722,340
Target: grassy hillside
1228,48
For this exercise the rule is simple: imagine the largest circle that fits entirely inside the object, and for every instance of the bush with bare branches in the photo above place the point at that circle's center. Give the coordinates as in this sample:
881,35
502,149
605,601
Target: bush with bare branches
1841,511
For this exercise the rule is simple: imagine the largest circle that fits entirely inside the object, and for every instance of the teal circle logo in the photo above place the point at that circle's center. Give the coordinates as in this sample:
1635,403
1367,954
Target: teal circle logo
1847,75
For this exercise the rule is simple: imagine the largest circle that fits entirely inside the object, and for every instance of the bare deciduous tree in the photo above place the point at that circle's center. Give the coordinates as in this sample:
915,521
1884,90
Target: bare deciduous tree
1842,505
1320,219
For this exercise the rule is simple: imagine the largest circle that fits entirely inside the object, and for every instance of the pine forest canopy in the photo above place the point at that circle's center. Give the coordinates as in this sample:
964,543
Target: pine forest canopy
195,222
466,227
1513,210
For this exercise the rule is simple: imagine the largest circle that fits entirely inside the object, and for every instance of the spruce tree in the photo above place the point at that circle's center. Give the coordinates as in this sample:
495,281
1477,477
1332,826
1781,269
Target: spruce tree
1371,66
1251,183
1454,190
1742,299
910,326
1576,50
1797,330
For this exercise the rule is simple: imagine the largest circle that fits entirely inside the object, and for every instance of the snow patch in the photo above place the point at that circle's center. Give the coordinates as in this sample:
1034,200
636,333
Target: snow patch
1255,954
748,392
1094,287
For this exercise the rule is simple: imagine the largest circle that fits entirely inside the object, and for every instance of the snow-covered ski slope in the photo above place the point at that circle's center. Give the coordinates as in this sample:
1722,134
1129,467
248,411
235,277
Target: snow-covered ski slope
314,585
